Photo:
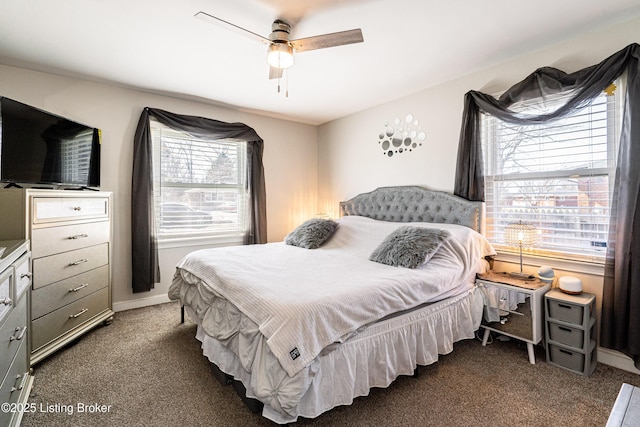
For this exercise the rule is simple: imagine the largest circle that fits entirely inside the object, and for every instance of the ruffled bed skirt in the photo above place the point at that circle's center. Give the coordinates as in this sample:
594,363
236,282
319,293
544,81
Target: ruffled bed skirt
373,357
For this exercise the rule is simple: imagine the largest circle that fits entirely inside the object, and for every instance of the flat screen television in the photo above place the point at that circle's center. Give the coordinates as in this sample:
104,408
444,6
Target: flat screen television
37,147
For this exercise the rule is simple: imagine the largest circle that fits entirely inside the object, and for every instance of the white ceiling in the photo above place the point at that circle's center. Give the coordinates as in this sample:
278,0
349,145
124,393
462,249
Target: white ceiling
410,45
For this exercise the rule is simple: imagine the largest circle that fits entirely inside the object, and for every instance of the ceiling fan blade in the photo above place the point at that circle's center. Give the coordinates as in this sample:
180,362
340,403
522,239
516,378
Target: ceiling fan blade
275,73
328,40
217,21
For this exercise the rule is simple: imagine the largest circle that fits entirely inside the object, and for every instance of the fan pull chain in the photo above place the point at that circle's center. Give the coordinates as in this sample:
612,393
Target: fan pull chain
279,74
286,83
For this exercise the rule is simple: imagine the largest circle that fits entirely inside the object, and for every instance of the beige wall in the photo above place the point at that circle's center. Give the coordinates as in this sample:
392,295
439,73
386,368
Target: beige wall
351,160
290,158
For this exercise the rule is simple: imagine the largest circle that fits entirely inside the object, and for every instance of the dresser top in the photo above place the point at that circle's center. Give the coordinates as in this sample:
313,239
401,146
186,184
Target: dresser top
12,251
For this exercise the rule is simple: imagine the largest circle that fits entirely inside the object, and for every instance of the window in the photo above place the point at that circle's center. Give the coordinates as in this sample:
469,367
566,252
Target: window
200,185
556,176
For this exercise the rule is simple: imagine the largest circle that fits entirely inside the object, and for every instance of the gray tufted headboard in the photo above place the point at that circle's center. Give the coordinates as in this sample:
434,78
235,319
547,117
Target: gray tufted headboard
415,204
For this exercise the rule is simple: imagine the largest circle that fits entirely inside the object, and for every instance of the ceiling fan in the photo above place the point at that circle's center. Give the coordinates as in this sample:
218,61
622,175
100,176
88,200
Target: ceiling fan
280,47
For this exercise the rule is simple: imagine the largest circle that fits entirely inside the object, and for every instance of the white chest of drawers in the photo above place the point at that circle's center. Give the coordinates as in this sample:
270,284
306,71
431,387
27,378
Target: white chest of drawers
15,380
70,233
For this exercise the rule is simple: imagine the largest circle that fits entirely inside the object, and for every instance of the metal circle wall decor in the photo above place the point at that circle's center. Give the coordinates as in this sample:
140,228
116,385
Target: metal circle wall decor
401,136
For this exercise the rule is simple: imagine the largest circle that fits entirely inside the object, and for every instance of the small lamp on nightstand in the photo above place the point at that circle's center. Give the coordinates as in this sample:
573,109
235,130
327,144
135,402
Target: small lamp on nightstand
519,235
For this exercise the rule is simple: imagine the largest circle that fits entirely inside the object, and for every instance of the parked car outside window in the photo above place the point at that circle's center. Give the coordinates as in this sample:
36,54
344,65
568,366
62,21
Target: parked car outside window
178,215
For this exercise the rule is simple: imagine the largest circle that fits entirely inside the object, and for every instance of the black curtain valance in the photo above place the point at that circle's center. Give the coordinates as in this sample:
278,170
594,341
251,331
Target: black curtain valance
584,85
144,245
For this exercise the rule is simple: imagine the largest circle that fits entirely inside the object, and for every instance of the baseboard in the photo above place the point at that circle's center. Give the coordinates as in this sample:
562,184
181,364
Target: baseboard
140,302
616,359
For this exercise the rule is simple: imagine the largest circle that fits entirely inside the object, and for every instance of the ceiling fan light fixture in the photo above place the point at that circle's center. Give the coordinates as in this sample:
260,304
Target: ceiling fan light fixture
280,55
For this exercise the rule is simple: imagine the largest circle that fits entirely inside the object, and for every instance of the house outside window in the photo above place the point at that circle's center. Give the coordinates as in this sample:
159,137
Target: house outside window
200,188
555,176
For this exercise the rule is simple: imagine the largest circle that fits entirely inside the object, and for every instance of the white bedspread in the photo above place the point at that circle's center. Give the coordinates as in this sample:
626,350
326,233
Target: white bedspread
303,300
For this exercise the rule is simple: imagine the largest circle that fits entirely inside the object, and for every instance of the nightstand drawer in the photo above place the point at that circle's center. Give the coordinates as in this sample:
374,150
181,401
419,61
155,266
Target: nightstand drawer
566,335
566,358
573,360
565,312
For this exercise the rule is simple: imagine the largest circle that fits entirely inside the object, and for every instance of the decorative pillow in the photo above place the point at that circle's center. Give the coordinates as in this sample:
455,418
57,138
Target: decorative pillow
409,246
312,233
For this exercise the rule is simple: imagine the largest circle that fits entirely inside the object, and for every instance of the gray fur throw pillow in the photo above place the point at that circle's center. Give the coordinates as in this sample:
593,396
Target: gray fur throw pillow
409,246
312,233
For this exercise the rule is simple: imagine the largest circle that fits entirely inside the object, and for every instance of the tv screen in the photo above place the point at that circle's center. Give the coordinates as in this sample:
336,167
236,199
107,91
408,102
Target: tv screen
37,147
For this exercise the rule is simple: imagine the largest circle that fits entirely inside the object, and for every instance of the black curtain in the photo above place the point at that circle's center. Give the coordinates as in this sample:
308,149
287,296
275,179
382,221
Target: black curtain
144,246
620,325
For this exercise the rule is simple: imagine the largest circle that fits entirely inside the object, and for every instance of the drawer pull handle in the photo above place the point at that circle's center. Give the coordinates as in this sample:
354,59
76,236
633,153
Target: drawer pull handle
78,314
564,306
77,236
565,352
24,377
22,331
23,275
84,285
562,328
80,261
77,208
7,301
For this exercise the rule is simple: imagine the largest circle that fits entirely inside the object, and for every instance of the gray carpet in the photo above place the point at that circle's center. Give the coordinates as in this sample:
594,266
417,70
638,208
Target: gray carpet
150,370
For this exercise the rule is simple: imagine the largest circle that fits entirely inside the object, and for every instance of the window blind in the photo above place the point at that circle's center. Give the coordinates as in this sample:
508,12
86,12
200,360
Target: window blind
555,176
200,184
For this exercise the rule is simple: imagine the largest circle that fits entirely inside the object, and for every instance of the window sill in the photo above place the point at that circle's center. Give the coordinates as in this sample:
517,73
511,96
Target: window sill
219,240
593,268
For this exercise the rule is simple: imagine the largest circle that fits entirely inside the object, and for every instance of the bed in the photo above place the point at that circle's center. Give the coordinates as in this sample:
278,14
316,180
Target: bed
301,331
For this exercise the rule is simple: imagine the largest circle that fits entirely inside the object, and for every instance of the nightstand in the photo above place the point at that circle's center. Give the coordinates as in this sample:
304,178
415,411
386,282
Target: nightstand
513,307
571,331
